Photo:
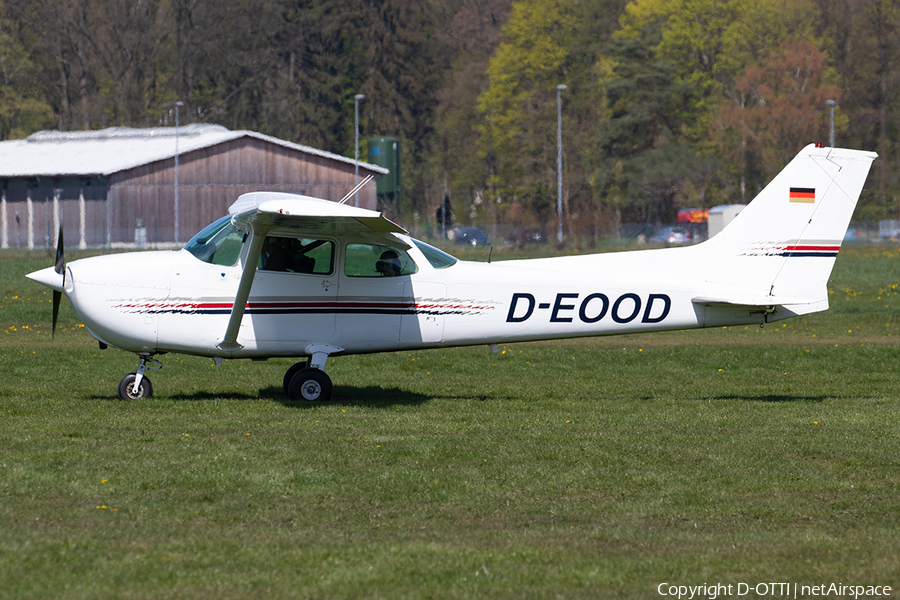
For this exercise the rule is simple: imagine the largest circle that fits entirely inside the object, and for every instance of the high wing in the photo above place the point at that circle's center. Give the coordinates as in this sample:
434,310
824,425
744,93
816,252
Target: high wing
273,213
269,212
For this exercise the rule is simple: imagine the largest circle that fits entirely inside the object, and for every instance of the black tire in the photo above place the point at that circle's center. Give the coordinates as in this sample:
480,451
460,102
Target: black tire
127,391
295,368
310,385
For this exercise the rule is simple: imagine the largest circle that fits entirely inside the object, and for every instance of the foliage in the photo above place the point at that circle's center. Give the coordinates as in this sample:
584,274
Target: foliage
777,108
22,109
645,161
517,135
469,88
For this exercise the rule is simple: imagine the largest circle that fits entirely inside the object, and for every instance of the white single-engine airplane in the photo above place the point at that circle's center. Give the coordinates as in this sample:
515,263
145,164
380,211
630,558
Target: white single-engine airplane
292,276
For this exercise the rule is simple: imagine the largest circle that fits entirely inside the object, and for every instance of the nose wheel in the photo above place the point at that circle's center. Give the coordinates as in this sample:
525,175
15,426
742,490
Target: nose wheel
135,386
129,391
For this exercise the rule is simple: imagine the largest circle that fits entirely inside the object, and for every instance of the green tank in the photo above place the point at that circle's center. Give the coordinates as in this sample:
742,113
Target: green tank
385,152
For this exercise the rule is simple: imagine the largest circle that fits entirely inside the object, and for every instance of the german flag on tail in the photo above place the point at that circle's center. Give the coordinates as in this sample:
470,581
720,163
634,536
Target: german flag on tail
803,195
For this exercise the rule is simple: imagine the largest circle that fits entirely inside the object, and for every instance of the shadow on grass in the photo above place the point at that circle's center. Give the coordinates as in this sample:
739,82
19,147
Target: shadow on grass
768,398
343,395
195,397
372,397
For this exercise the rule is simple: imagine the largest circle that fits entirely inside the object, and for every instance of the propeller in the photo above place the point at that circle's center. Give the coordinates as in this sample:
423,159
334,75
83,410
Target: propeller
60,268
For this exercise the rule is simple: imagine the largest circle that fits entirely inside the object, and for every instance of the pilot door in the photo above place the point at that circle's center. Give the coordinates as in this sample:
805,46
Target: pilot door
292,301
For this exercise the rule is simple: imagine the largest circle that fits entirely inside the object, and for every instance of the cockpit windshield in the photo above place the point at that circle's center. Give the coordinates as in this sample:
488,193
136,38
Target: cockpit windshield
218,244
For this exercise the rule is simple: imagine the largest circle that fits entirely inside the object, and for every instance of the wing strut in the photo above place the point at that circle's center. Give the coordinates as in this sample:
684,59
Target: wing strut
230,343
358,187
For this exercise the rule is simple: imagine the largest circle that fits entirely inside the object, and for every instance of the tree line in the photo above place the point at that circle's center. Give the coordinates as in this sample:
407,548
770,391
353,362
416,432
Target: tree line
667,104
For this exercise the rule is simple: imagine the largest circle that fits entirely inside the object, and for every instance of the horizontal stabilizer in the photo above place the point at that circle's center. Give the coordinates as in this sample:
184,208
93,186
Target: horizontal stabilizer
752,301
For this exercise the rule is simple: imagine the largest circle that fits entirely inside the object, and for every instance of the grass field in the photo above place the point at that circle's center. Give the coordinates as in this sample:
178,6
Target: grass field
595,468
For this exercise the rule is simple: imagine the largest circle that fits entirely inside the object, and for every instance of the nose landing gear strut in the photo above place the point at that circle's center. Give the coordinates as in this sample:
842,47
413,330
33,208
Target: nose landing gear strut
134,385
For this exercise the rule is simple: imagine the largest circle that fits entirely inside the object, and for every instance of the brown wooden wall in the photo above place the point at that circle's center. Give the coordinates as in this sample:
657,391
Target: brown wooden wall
28,204
211,179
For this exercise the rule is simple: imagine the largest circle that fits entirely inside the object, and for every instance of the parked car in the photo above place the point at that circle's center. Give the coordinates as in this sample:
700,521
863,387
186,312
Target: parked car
472,236
525,235
672,235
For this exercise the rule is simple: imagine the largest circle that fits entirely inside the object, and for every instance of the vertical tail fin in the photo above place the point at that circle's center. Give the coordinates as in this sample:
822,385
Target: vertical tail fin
780,250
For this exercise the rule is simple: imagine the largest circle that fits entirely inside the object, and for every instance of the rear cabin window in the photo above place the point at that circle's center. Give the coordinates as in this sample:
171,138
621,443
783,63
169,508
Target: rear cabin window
372,260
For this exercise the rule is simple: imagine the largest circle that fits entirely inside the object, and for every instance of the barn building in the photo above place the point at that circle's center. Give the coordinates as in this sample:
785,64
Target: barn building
120,186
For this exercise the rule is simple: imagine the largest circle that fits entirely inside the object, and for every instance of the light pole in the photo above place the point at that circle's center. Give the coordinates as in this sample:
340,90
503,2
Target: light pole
177,104
559,89
356,100
830,104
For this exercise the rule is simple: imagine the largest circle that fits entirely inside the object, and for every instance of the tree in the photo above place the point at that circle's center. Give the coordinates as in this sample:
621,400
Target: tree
472,30
711,42
645,162
780,107
866,50
22,106
519,107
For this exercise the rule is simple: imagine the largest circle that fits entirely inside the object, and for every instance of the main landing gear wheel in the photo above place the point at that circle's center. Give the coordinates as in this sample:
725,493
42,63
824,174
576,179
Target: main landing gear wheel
310,385
127,390
295,368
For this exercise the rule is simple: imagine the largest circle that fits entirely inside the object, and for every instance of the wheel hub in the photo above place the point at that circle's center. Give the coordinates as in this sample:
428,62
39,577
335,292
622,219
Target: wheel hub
311,390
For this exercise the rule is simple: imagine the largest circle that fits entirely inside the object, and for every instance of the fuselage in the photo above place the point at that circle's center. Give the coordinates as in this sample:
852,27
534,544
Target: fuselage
173,301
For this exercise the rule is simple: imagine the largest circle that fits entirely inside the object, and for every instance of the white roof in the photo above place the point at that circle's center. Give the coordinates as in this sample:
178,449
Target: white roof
108,151
724,207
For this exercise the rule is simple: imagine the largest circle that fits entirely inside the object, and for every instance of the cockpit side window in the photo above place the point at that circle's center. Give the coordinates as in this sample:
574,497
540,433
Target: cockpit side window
297,255
218,244
373,260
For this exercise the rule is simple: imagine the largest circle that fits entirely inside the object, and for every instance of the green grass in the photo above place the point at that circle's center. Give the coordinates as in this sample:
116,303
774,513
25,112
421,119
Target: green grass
577,469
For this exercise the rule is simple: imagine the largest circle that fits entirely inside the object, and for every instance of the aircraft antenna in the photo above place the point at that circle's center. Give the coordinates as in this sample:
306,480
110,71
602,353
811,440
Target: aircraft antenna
358,187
